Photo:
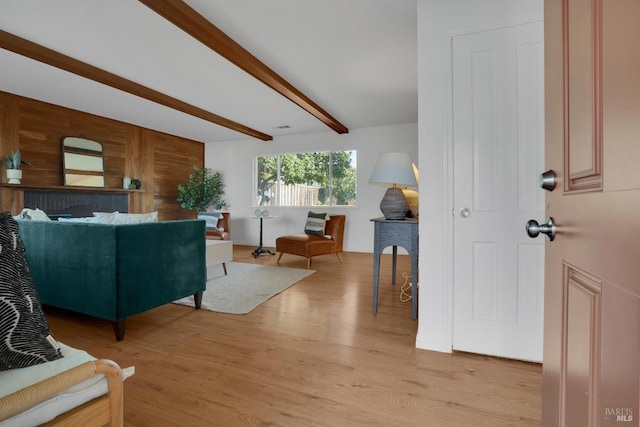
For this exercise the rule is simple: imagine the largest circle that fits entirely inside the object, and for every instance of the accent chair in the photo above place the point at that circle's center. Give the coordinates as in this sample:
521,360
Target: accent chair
310,245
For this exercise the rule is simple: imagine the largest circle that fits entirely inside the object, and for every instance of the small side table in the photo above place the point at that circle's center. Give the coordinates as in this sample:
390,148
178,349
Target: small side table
392,232
261,249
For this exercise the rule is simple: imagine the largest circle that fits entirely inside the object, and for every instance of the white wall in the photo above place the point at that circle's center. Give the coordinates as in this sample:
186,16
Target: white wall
235,159
438,22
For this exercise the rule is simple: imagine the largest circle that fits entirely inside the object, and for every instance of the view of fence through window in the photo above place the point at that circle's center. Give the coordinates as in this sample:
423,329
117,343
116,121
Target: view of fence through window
307,179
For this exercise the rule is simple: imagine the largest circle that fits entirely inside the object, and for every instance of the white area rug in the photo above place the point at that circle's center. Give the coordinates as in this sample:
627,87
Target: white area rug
245,287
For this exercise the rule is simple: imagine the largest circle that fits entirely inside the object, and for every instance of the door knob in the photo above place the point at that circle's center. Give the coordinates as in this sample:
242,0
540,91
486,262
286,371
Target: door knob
465,212
548,228
547,180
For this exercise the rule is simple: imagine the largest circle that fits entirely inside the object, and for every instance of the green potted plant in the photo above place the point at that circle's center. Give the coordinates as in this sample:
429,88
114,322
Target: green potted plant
204,189
14,161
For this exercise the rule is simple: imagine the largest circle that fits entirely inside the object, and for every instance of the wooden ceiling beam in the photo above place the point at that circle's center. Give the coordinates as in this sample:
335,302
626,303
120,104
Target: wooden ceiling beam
194,24
40,53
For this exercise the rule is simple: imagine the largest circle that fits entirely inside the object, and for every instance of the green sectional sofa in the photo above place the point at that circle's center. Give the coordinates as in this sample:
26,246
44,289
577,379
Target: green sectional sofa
115,271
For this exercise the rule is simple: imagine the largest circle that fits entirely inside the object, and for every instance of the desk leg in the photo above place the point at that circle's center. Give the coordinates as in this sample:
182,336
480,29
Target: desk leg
376,278
393,269
414,284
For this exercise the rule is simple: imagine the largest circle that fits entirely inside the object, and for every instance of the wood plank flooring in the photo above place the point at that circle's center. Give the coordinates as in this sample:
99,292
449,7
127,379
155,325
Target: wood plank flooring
313,355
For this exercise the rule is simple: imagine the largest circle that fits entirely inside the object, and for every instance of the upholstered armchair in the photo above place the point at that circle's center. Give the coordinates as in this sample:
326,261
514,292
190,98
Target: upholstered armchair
310,245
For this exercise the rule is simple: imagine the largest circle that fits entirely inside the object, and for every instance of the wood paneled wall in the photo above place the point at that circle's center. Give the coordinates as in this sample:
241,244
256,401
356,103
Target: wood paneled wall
160,161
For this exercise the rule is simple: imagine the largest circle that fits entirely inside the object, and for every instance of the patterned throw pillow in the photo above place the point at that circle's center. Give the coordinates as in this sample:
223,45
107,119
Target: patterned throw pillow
25,338
316,223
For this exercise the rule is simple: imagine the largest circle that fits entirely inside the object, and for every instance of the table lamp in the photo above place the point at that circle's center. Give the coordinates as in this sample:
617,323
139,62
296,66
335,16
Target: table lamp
394,170
412,196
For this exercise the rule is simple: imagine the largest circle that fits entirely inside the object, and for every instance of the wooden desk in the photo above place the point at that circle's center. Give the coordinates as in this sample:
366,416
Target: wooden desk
404,233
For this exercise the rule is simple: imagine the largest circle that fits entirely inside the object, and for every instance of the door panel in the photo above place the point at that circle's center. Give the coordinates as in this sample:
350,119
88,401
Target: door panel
483,121
485,257
530,304
530,131
591,370
498,153
581,338
583,118
583,90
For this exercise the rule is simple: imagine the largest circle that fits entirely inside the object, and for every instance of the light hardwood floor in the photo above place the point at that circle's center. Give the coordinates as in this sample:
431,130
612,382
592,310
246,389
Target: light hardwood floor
313,355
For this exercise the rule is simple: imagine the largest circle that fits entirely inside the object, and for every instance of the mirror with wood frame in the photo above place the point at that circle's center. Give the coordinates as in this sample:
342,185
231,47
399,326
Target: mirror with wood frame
82,162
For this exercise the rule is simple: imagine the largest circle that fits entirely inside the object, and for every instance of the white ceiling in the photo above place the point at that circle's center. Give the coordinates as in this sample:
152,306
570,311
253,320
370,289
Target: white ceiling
357,59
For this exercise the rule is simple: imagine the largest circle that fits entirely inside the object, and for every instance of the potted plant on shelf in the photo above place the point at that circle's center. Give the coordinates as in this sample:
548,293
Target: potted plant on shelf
204,189
14,161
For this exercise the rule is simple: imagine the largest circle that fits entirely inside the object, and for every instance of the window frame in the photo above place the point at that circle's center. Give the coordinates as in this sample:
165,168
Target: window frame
353,155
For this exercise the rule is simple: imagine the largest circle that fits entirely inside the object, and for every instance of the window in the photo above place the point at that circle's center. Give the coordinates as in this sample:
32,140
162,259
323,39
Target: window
307,179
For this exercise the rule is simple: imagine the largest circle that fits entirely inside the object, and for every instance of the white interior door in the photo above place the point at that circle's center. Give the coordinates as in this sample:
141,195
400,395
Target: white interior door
498,138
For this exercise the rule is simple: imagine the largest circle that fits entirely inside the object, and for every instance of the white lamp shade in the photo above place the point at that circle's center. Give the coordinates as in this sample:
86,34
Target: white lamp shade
394,169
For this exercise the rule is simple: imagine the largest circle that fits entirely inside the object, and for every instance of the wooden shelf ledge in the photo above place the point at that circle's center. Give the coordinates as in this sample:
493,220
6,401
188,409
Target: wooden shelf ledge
68,188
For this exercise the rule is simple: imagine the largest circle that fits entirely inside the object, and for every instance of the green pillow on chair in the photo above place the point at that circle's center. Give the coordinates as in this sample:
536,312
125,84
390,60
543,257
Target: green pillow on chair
316,223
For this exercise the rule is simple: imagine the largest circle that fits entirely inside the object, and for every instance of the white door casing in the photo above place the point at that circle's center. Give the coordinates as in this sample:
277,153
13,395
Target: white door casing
498,154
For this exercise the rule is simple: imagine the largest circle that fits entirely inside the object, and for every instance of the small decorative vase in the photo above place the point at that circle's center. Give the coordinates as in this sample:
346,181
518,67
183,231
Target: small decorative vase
14,176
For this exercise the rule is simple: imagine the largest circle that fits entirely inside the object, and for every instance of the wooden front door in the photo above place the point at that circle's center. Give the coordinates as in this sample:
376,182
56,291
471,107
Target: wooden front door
592,279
